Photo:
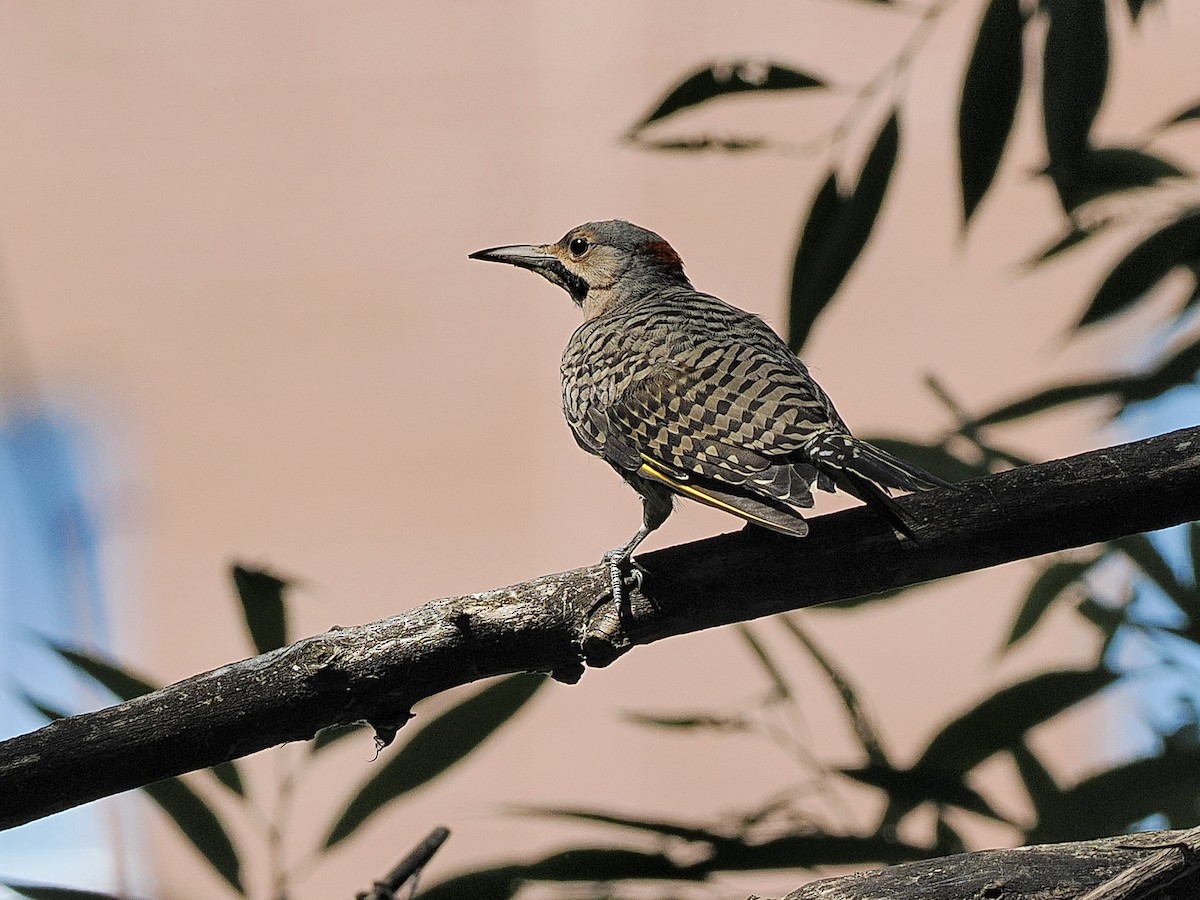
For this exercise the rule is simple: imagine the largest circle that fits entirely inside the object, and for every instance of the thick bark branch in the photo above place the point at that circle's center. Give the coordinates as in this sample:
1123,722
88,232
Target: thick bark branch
1153,866
376,672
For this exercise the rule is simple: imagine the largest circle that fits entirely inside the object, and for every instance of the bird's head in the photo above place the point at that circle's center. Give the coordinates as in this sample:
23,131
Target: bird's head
600,264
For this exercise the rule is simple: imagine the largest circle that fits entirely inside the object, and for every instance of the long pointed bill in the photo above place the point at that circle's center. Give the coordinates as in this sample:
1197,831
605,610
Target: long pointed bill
526,256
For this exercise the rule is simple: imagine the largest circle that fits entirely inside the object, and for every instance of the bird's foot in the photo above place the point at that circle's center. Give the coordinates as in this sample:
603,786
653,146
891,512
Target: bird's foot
604,640
622,572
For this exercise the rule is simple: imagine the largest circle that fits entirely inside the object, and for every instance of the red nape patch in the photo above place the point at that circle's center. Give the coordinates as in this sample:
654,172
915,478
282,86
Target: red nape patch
664,253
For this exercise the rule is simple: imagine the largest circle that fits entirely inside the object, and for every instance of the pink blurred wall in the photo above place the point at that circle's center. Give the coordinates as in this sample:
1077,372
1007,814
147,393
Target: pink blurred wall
237,234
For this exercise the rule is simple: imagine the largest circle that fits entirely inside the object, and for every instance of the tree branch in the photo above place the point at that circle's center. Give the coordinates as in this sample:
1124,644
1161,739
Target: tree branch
1130,867
555,623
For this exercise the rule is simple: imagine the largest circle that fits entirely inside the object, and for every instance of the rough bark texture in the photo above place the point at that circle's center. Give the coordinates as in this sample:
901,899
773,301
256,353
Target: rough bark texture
1154,866
557,623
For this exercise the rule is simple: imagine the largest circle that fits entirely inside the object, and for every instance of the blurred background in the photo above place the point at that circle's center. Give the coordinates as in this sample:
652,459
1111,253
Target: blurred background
237,322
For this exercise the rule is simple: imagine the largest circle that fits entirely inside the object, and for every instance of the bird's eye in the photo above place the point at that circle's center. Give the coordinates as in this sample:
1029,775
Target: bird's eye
579,246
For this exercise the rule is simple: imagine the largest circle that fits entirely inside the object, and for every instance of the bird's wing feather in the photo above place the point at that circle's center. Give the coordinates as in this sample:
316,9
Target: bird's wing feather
776,516
680,420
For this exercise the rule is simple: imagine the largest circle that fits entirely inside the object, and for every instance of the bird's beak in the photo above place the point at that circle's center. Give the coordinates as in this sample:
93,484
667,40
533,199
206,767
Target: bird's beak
526,256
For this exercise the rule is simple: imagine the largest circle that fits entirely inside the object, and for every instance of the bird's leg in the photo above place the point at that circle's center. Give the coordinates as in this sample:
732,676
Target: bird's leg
656,506
618,559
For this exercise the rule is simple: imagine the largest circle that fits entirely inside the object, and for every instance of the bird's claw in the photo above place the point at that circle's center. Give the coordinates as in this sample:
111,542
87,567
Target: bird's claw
622,572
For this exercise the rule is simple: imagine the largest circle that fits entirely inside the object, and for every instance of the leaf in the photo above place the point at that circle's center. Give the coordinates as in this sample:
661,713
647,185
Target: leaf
1044,793
1111,169
822,214
909,788
1191,114
721,79
933,458
1060,395
1107,803
1048,587
835,233
52,713
46,892
1072,238
947,841
229,775
696,721
1194,551
779,684
864,729
444,741
263,608
1178,244
991,89
652,826
119,681
1107,619
1106,170
1137,7
200,825
1143,554
1000,720
1074,77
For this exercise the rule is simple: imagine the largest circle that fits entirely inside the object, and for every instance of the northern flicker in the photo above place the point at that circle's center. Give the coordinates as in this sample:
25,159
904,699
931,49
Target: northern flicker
682,393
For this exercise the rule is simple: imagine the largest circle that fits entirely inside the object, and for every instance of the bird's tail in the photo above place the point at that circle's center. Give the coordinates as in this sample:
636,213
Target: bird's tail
869,473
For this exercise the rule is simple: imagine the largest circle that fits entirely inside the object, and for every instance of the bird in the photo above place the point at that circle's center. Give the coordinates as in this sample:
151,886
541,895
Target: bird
686,395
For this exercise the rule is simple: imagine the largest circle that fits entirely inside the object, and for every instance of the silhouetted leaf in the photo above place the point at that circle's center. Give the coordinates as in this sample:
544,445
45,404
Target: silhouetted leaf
1072,238
200,825
1107,170
947,841
53,713
118,680
1112,169
263,607
1000,720
1137,7
432,750
1194,550
933,458
1059,395
729,77
835,233
779,684
704,142
991,88
1106,618
45,892
327,737
697,721
864,729
1047,588
1141,550
909,788
229,775
1178,244
652,826
1043,790
818,227
1191,114
1109,802
1074,76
